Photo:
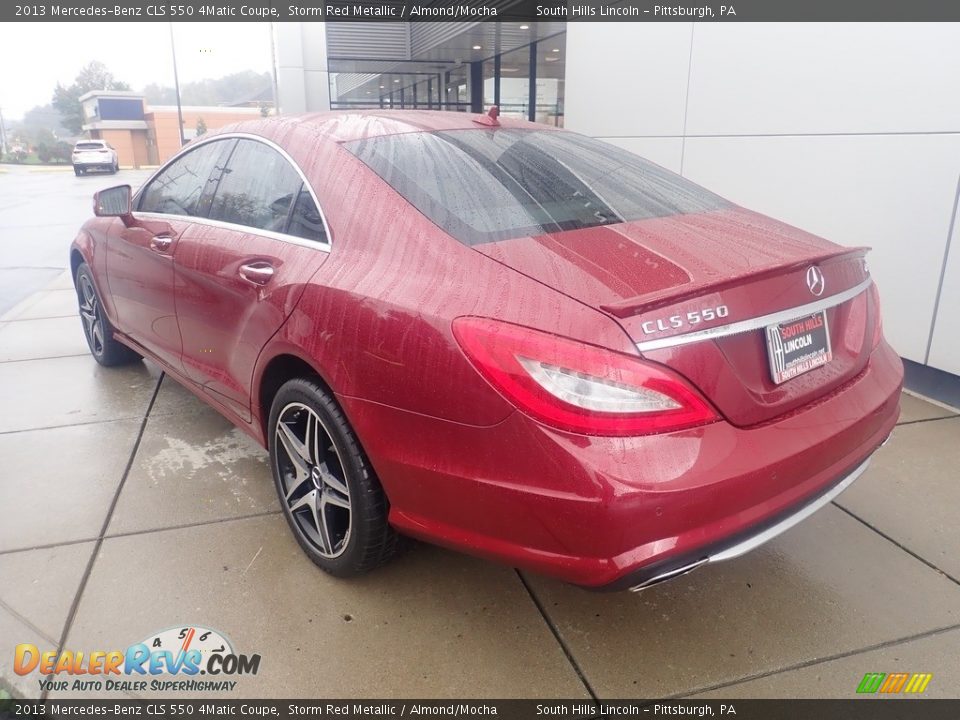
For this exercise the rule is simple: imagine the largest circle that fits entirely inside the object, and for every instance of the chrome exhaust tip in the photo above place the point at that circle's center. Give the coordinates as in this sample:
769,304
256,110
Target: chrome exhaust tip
668,575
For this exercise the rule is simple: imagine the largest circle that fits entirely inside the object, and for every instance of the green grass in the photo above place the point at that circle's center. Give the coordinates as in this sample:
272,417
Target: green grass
31,159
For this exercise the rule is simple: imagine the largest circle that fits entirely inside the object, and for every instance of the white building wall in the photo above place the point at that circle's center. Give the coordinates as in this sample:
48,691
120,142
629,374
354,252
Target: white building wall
849,131
303,82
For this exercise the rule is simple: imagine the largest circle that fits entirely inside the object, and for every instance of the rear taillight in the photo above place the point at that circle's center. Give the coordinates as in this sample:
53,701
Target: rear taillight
578,387
877,319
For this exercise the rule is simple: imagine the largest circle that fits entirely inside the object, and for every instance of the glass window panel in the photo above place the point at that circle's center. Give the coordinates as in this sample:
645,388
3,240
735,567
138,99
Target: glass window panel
179,189
487,185
306,222
257,188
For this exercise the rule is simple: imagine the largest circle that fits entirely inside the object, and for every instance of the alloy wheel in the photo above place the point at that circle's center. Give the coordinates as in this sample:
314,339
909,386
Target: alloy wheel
314,483
90,314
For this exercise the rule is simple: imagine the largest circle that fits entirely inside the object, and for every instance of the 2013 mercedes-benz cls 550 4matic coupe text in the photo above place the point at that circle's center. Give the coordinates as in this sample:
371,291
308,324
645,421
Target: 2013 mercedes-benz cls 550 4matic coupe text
500,337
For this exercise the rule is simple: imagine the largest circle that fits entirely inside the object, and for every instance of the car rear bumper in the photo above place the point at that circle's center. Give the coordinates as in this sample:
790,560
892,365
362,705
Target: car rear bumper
736,545
621,512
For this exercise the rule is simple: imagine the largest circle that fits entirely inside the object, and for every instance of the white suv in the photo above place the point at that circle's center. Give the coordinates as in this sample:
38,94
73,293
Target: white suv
94,154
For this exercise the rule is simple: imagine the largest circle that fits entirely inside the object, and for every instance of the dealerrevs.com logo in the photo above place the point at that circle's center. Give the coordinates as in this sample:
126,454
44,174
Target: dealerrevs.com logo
167,661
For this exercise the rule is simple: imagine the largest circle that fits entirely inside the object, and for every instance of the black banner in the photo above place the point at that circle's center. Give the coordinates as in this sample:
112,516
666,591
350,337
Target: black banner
872,708
479,10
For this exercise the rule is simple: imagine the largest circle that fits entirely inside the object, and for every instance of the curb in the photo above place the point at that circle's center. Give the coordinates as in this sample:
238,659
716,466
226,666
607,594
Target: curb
28,301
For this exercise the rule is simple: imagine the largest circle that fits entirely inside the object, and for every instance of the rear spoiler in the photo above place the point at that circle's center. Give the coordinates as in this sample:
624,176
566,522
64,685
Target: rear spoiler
669,296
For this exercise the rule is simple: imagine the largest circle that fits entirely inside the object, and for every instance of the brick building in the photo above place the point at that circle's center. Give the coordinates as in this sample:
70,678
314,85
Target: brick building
145,135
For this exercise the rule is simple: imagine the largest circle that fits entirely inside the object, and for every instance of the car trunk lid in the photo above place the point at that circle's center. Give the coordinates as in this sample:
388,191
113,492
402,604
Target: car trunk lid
697,292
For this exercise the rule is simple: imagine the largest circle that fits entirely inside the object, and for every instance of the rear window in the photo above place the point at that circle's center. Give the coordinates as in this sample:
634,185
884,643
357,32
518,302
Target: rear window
89,146
487,185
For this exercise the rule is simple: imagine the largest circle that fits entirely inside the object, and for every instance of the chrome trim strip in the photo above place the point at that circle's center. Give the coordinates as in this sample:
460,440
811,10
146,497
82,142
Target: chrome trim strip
292,239
326,246
755,541
756,323
802,514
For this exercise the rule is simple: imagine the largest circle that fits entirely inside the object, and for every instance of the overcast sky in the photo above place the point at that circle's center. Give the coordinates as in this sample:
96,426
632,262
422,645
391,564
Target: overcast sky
35,56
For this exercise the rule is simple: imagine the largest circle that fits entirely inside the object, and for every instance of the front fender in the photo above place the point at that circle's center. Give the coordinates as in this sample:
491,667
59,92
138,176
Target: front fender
86,249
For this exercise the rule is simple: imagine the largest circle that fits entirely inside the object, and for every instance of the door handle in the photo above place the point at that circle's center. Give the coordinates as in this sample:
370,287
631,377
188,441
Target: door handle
161,243
257,273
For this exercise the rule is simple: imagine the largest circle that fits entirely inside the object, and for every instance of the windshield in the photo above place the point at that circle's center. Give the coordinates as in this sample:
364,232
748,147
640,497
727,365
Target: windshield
488,185
89,146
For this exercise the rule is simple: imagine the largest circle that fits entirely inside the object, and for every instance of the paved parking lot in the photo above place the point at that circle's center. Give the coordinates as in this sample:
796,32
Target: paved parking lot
42,207
129,507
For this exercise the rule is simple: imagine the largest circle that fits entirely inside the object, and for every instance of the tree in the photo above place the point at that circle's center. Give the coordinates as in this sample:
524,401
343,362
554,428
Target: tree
236,89
201,126
44,117
94,76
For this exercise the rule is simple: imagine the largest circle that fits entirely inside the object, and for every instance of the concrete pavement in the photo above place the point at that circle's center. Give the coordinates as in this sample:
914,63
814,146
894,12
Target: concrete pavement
35,234
129,507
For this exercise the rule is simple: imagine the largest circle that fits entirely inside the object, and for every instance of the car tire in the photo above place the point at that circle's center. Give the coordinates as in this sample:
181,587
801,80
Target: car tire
96,327
77,171
115,169
329,493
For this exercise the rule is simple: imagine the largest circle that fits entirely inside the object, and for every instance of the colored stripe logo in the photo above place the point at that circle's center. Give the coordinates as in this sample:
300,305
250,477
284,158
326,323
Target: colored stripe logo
893,683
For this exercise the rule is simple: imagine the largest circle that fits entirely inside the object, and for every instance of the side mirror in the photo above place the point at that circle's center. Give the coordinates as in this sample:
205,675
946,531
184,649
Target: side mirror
112,202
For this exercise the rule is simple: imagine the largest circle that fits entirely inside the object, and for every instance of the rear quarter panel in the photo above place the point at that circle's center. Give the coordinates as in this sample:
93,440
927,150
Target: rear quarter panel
375,321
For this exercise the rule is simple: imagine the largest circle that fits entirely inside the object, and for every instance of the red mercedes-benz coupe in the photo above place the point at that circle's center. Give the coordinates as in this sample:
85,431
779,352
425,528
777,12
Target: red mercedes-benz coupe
496,336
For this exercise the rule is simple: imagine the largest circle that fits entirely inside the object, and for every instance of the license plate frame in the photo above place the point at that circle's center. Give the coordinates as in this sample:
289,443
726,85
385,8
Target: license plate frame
797,346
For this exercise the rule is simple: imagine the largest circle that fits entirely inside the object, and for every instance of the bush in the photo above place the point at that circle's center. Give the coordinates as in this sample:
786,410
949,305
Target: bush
62,152
44,151
56,152
15,156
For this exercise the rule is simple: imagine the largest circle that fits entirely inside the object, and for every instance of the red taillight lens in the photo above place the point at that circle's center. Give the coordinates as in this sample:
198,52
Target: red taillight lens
877,319
578,387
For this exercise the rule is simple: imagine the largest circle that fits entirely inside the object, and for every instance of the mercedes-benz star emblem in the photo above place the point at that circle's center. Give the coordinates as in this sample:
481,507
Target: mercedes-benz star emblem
815,280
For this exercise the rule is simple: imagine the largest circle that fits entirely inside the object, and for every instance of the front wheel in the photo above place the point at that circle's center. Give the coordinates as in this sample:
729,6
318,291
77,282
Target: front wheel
96,327
330,495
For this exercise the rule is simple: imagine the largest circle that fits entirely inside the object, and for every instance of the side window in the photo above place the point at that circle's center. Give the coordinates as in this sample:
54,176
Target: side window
257,189
305,221
184,187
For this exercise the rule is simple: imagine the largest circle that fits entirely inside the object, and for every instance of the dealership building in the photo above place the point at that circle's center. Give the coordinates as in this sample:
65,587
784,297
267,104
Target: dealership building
846,130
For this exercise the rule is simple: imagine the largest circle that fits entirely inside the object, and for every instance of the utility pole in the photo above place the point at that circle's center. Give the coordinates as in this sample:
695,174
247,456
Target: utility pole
176,84
273,62
3,136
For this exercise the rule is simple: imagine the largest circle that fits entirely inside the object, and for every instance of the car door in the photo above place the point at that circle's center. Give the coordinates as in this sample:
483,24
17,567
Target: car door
239,276
140,256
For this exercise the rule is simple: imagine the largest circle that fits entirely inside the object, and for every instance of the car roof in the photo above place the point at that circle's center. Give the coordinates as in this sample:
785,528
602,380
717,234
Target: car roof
88,142
344,126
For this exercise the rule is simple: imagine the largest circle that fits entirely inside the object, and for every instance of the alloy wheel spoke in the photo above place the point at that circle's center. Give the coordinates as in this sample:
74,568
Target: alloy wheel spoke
322,526
88,309
298,483
332,481
309,501
295,449
311,440
332,497
98,333
88,320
